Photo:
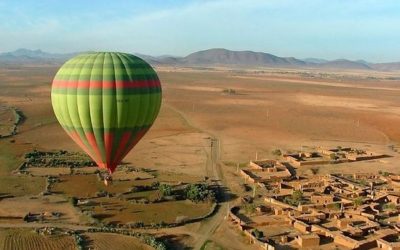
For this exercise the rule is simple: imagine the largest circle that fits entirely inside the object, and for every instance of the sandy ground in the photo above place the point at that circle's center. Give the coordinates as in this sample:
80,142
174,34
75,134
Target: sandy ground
274,109
22,206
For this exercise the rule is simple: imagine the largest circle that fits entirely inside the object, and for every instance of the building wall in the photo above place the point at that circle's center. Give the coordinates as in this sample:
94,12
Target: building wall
306,242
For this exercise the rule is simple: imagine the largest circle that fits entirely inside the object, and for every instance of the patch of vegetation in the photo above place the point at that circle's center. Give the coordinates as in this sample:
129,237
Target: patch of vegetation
250,209
314,170
56,159
209,244
199,192
358,201
257,233
18,119
336,206
73,201
295,199
384,173
277,152
389,206
229,91
333,157
165,189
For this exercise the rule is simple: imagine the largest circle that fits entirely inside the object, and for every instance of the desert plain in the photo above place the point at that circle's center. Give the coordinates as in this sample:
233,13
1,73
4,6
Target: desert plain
211,120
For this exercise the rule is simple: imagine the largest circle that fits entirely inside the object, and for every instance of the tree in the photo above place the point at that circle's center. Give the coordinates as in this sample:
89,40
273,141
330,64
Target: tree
297,195
294,199
257,233
165,189
73,201
358,201
198,192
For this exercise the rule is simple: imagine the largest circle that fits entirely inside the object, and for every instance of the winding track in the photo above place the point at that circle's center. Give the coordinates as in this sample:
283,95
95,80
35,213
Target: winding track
214,171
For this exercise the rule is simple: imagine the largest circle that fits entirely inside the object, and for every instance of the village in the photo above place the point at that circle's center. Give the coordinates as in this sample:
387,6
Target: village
318,211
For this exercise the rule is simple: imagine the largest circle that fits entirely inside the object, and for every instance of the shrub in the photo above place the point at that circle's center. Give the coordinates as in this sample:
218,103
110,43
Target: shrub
277,152
198,192
389,206
165,189
73,201
257,233
358,201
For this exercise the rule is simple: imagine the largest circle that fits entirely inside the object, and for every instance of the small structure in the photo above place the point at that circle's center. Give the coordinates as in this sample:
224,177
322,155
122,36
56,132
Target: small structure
308,240
321,199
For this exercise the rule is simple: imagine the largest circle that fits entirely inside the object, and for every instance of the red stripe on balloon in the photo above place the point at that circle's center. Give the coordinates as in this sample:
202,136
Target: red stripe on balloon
92,141
122,144
85,84
108,143
128,147
77,139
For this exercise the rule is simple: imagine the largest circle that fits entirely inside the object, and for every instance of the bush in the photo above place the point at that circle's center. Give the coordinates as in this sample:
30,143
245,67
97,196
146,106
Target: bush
277,152
297,195
198,192
73,201
249,209
389,206
358,201
294,199
333,156
165,189
257,233
155,185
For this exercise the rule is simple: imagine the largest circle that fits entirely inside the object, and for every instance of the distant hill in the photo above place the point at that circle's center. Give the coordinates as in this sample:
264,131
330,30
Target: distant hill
25,56
344,64
213,57
229,57
314,60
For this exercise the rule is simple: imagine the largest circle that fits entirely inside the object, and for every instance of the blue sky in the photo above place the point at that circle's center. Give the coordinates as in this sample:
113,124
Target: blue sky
331,29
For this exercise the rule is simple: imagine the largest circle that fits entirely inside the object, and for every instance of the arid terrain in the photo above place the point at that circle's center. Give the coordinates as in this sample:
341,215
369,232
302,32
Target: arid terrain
211,120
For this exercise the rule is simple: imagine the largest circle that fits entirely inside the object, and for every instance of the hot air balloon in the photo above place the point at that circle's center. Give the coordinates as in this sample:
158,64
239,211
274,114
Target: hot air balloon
106,102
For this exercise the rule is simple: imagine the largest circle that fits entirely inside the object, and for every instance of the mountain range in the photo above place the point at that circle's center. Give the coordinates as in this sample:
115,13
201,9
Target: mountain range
210,57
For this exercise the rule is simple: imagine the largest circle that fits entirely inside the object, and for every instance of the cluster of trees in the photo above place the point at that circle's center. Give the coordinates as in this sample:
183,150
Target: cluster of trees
54,159
199,192
195,192
295,199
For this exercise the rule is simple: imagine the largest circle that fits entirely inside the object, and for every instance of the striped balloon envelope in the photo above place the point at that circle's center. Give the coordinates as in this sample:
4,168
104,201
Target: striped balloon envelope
106,102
